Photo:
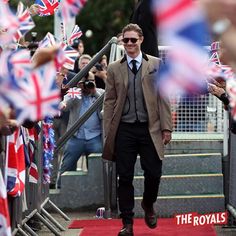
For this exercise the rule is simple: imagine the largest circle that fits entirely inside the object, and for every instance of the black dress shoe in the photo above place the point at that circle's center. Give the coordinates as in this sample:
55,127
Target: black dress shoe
150,216
127,230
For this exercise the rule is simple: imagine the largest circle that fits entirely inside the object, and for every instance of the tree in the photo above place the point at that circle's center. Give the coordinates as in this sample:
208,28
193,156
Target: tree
105,18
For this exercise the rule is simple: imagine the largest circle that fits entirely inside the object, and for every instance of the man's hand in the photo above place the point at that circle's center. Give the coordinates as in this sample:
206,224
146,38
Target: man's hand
34,9
62,105
215,90
166,136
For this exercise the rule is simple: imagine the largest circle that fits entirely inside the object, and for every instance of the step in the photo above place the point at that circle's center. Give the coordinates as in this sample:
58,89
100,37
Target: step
194,163
193,143
184,184
168,206
81,189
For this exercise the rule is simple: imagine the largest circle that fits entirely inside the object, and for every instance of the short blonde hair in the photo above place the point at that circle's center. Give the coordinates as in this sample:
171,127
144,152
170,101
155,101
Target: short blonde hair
132,27
84,56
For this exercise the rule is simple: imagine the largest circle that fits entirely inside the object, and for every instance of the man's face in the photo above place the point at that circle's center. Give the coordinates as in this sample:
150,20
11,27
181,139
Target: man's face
132,43
81,48
84,62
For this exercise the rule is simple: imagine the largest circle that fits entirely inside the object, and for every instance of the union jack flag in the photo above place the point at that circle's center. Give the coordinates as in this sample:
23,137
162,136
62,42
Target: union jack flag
4,72
26,22
70,8
15,164
220,71
187,60
73,93
48,41
60,59
19,65
215,46
5,228
15,69
47,7
33,169
4,81
216,69
16,66
228,72
215,58
76,33
70,56
40,98
9,24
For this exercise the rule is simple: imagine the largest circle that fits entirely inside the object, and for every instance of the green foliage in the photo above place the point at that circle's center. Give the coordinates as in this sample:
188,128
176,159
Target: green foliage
105,18
43,25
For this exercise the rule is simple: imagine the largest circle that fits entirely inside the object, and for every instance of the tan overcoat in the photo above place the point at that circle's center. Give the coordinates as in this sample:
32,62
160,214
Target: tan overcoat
159,112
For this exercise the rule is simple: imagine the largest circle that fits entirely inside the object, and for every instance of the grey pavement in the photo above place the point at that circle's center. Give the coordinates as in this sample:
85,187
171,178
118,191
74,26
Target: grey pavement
69,232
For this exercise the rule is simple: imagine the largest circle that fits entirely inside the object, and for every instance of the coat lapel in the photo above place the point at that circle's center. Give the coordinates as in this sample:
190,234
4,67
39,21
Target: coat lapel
145,66
124,72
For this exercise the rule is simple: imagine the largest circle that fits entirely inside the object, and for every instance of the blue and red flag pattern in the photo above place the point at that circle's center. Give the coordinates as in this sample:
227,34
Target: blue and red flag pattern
70,8
33,169
15,164
9,24
47,7
48,41
25,20
75,34
73,93
187,59
70,55
39,98
5,228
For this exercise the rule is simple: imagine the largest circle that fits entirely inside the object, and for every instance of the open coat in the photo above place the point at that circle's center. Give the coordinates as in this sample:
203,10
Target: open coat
158,108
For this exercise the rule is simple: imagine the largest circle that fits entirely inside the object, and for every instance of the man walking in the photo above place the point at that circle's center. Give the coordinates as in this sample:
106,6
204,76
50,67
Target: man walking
137,120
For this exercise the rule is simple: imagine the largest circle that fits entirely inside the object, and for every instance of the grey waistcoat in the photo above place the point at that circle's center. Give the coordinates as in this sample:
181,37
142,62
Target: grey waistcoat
134,109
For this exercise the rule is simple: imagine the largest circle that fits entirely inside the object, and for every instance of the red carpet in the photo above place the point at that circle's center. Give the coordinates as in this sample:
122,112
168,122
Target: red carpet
166,227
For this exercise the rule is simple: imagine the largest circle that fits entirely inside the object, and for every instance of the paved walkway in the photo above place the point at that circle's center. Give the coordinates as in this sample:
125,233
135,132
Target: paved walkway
69,232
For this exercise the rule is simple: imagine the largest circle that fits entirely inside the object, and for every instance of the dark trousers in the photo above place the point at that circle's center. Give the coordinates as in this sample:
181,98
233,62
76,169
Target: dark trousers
131,140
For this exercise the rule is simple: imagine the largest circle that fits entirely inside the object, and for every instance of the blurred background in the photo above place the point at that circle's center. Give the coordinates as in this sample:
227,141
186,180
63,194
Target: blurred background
99,20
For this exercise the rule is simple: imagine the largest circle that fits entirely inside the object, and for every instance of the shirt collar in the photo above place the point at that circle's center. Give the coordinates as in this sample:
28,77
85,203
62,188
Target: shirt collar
138,59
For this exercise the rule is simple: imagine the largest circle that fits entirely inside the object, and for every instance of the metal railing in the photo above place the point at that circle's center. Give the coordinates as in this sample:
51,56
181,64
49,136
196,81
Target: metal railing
69,133
107,165
94,60
97,104
38,194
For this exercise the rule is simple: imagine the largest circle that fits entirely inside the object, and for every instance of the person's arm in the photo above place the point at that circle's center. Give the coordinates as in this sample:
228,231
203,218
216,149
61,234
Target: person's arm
165,115
66,104
219,93
165,118
34,9
109,100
